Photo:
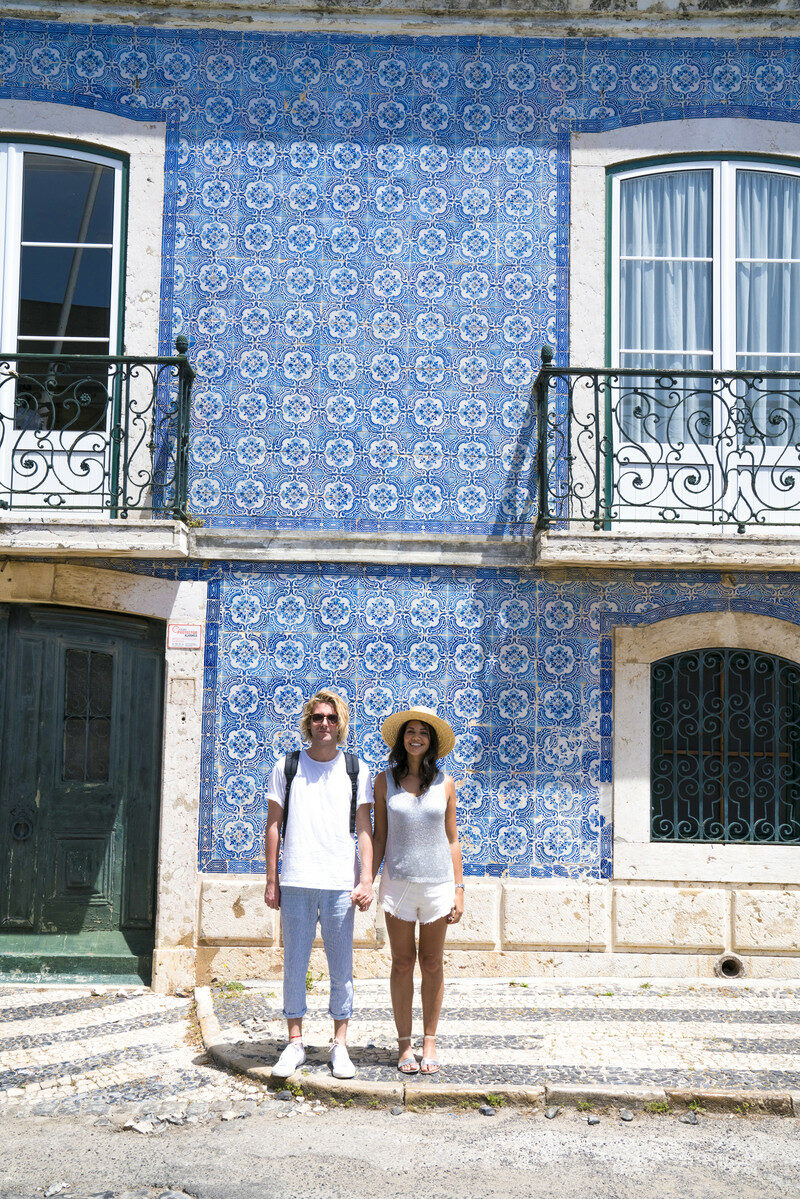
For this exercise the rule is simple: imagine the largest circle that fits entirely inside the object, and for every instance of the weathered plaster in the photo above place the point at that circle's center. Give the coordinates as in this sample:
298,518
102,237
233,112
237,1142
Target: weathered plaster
635,856
88,587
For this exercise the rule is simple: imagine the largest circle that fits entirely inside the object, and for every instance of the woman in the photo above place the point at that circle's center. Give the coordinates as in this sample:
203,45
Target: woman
415,828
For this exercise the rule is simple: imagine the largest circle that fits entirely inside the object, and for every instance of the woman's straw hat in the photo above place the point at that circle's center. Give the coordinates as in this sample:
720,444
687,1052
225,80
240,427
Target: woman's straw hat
392,725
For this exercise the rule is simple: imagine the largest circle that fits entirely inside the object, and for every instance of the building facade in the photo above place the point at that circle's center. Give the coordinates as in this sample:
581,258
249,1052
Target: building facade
486,401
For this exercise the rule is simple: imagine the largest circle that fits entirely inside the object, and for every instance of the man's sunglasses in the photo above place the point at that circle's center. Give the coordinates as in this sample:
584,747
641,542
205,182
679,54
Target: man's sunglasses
318,718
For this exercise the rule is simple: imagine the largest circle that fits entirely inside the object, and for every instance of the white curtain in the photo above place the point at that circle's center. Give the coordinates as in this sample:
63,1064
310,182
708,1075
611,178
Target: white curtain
666,247
768,296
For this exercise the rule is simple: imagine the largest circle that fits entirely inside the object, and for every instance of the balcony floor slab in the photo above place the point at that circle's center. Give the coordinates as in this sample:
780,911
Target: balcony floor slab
79,536
685,550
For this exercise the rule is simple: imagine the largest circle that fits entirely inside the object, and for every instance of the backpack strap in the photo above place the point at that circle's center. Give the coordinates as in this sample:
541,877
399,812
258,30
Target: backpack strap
289,771
351,764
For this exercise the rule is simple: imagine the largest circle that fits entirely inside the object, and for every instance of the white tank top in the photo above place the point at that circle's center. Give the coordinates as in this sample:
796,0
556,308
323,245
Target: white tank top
417,849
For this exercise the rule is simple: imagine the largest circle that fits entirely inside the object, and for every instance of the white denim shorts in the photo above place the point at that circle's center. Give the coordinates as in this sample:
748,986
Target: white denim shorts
424,902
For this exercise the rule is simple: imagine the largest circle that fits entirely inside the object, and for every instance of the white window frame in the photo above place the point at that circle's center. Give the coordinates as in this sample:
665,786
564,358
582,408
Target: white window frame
144,145
593,154
723,354
12,155
635,649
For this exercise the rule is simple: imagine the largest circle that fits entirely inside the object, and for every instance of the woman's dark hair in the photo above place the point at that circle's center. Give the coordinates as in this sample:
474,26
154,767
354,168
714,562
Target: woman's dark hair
398,758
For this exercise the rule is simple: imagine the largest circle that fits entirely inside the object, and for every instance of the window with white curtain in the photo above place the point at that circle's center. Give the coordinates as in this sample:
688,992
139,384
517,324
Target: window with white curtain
706,276
61,213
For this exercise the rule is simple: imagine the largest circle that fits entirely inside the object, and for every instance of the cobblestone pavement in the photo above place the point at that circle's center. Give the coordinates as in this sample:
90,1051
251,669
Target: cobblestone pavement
531,1032
113,1057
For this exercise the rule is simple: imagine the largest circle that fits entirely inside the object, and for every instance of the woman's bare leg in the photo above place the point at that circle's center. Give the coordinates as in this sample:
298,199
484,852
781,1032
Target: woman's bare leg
404,954
431,949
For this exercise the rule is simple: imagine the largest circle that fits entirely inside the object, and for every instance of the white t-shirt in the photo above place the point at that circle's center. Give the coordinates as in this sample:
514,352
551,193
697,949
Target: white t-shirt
319,851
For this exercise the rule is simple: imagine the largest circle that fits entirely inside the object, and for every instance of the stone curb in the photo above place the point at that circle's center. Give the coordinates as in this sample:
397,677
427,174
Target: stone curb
418,1095
594,1096
421,1095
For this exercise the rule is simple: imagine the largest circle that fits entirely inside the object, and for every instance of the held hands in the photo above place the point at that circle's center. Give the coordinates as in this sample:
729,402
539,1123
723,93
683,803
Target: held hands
362,896
457,910
272,894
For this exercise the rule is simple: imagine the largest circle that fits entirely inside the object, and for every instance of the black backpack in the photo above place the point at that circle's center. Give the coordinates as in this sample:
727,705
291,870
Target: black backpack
290,770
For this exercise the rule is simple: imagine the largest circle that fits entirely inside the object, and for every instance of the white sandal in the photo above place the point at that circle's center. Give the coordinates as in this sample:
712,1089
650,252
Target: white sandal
407,1065
429,1065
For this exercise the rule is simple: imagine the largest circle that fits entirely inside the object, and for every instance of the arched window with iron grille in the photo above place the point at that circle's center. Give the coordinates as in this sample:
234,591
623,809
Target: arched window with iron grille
725,747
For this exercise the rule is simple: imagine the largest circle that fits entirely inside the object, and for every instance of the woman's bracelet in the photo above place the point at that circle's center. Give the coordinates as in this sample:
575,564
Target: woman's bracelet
459,886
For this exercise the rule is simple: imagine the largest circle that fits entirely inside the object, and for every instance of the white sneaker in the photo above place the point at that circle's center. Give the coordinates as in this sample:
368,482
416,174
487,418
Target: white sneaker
290,1060
341,1065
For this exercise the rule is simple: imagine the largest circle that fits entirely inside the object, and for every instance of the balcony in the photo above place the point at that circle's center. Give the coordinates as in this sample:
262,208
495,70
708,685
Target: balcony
94,454
680,468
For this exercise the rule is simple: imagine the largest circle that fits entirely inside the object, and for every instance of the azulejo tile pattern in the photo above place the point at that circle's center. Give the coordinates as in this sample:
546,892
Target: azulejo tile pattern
366,243
519,664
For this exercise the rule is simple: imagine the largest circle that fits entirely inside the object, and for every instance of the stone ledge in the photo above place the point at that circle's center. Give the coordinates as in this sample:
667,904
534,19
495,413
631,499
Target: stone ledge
673,548
226,963
90,536
531,18
669,548
389,548
426,1094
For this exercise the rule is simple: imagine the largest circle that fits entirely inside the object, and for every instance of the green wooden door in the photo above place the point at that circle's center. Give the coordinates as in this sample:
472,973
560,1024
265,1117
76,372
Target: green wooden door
81,712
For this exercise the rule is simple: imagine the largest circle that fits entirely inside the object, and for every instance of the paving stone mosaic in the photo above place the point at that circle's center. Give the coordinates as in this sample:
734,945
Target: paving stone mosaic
64,1051
533,1032
366,243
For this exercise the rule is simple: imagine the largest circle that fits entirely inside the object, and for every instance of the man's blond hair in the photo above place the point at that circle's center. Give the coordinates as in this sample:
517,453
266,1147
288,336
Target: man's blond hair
337,703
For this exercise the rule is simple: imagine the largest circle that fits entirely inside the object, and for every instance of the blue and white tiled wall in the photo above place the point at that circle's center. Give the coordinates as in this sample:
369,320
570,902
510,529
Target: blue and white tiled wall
370,243
366,243
519,664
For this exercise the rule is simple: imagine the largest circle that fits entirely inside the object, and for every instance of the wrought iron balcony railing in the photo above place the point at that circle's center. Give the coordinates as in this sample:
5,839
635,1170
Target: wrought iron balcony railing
633,446
102,434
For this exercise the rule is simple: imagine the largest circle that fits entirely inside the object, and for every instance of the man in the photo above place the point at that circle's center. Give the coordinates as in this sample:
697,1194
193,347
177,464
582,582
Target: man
318,873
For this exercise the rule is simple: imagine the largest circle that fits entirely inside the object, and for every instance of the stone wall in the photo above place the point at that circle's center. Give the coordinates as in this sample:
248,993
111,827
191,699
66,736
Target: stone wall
620,929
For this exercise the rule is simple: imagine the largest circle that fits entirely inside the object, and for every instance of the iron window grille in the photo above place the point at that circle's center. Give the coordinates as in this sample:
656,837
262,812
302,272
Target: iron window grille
725,747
